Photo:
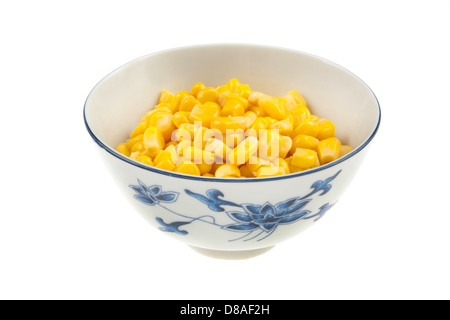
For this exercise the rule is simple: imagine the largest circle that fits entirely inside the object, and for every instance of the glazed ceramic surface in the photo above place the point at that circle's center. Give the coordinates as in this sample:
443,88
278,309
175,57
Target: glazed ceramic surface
232,214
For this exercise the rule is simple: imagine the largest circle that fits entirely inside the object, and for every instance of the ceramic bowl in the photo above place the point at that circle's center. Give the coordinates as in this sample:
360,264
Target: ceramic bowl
232,216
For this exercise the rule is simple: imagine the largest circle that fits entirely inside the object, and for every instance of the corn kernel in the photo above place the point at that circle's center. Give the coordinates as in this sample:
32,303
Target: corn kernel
233,84
255,162
219,149
233,107
223,88
227,171
257,110
243,90
162,121
282,164
235,137
173,154
140,129
123,149
250,118
326,129
243,151
145,160
270,143
203,113
305,159
268,171
176,101
187,167
228,123
227,95
286,146
245,172
288,102
153,141
306,127
138,147
254,97
188,103
298,98
134,140
258,125
344,149
208,94
305,142
300,114
197,87
328,150
165,97
180,117
273,107
285,127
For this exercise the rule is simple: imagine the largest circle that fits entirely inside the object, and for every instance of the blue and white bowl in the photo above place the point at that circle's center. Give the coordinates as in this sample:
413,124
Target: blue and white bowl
242,216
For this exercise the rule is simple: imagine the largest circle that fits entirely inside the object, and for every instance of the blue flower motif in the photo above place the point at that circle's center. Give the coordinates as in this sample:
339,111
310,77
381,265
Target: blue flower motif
153,195
267,217
173,227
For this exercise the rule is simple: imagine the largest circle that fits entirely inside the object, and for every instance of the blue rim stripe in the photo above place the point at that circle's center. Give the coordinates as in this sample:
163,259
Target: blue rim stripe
231,180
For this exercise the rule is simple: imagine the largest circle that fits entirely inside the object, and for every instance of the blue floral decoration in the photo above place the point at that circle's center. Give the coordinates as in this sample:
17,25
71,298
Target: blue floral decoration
251,219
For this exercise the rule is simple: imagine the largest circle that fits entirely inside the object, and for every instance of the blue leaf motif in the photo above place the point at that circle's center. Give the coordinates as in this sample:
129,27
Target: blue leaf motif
239,216
145,199
212,199
172,227
168,196
294,217
242,227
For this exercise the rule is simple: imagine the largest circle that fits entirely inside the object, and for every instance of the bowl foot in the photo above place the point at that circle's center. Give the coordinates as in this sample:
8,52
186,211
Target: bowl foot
231,255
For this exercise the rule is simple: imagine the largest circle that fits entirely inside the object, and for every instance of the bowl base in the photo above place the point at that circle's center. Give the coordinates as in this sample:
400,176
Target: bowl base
231,255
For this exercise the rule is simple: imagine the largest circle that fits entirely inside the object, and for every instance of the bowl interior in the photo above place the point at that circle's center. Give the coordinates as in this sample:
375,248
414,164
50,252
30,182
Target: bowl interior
116,104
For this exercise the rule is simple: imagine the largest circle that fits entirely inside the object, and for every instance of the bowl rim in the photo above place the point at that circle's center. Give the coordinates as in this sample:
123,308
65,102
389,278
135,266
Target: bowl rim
120,156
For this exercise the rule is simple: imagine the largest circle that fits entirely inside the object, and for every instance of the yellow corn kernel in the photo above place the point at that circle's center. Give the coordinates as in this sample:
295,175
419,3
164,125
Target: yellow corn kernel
208,175
315,118
227,95
245,172
188,103
140,128
255,162
200,136
235,137
306,127
298,98
300,114
233,107
305,142
183,146
286,146
282,165
258,125
270,143
196,88
218,149
145,160
305,159
289,102
260,113
243,90
138,147
166,164
187,167
272,107
123,149
223,88
203,113
135,155
326,129
228,123
243,151
268,171
153,141
208,94
233,84
180,117
165,97
250,118
134,140
345,149
162,121
176,101
227,170
172,149
284,127
254,97
328,150
184,132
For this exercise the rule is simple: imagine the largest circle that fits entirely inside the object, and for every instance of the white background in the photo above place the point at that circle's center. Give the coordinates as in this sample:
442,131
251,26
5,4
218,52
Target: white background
67,233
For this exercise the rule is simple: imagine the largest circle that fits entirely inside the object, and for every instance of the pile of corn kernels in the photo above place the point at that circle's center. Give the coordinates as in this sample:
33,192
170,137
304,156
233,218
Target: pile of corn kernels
231,131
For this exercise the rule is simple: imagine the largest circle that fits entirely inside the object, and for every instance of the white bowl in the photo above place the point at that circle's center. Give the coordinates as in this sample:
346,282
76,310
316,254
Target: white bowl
241,216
